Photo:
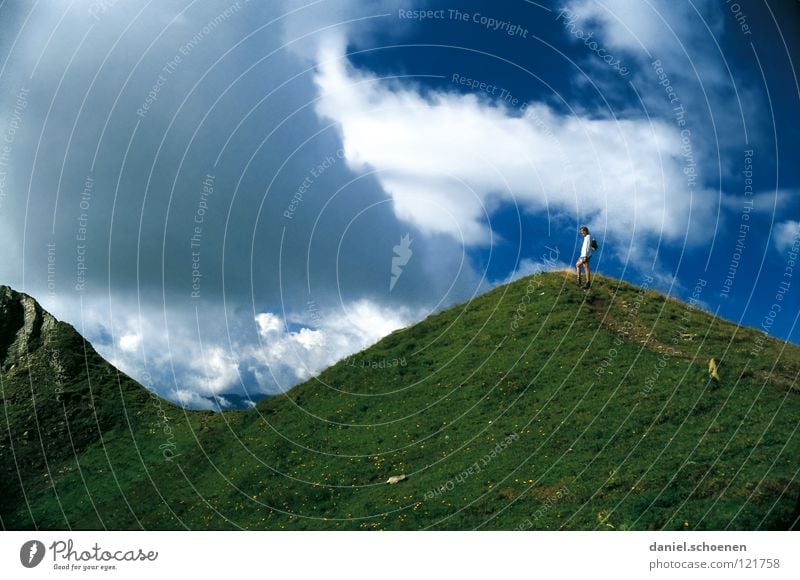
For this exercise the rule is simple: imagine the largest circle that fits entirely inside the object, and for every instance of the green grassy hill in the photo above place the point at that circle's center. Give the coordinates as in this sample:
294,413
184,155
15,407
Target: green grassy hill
534,406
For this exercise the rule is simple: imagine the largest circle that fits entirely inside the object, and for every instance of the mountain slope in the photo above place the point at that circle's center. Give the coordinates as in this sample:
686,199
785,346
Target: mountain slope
534,406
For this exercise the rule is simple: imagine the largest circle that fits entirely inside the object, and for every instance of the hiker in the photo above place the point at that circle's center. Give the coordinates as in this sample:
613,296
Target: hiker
586,254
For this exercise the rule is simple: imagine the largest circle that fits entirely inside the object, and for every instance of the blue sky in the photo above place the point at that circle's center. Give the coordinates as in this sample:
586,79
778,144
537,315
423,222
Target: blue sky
216,193
743,97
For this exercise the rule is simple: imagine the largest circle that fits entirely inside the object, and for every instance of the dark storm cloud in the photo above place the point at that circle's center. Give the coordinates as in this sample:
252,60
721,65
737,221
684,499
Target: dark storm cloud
167,155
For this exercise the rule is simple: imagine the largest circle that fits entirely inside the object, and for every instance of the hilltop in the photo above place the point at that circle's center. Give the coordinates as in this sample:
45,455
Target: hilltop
534,406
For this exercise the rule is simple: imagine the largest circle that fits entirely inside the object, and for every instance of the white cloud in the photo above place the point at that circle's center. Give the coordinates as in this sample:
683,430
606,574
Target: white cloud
631,26
268,323
286,357
198,362
447,158
786,234
219,371
670,31
193,400
130,342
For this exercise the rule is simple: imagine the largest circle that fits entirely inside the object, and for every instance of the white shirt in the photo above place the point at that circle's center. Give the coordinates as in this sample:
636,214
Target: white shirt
586,250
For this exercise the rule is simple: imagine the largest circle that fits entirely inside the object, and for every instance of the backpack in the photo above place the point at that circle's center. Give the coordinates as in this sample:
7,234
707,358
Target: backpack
593,245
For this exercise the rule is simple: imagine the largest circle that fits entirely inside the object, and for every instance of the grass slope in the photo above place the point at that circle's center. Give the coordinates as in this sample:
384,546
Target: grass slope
534,406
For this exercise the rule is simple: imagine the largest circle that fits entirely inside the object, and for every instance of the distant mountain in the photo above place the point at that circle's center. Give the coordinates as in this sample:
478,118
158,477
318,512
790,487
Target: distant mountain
535,406
234,401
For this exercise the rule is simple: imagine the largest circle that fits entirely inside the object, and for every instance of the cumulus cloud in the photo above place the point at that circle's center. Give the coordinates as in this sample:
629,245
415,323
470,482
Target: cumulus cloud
637,26
192,400
132,304
268,323
675,33
130,342
193,358
786,234
320,339
448,159
219,370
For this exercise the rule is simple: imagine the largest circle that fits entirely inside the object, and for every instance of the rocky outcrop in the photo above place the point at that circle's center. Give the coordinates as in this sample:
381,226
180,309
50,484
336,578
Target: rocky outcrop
24,326
59,398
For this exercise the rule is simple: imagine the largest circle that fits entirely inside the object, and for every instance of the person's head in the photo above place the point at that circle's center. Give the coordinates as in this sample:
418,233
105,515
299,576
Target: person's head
584,231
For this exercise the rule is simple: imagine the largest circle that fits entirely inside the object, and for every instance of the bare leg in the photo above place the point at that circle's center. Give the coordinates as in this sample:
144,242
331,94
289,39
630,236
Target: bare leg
586,267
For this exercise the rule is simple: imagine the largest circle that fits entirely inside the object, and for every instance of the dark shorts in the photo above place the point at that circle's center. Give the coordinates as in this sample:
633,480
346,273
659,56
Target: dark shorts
585,259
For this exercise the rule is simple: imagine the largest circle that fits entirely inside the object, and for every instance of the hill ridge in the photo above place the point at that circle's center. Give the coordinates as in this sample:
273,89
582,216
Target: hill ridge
617,424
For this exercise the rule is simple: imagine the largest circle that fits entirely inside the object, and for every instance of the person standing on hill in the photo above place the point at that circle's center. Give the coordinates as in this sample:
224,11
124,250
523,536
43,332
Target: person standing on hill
587,248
